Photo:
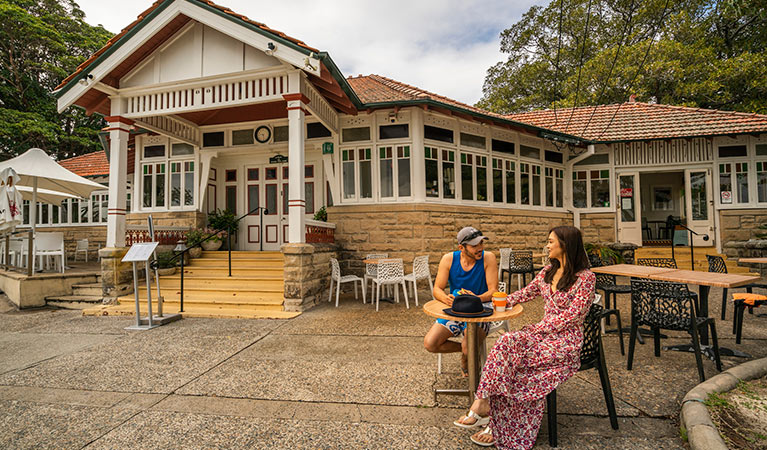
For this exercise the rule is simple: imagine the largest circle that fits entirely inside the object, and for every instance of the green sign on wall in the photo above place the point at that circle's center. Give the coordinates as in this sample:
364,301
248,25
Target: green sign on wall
278,159
327,148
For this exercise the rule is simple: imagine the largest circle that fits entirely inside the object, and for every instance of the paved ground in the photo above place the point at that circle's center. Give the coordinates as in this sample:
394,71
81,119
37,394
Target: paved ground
330,378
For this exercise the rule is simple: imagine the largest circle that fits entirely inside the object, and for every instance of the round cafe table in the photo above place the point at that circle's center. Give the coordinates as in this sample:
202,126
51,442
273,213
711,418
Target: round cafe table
434,309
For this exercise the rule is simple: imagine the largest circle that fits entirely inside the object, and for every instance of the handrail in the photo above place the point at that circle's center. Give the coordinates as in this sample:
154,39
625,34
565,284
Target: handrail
30,249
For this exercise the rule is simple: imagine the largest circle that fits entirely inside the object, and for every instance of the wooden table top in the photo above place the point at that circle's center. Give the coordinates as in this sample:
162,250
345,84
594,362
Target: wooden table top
630,270
434,308
723,280
378,261
753,260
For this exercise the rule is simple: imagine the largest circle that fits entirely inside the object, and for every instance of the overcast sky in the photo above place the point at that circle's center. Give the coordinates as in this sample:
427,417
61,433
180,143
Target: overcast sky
443,46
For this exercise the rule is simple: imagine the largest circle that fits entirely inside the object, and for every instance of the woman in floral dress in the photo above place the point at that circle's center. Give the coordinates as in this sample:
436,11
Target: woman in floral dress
525,365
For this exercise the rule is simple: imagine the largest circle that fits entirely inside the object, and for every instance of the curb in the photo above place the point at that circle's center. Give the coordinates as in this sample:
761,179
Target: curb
702,434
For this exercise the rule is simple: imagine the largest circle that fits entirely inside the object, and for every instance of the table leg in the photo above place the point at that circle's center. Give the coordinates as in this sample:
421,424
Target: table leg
472,345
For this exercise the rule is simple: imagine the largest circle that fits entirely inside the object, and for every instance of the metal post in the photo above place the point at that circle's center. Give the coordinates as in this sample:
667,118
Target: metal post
135,295
229,237
260,230
692,258
181,309
148,293
30,253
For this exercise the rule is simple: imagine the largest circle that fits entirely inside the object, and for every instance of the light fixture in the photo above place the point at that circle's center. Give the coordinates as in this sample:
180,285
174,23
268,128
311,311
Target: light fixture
85,79
270,48
308,65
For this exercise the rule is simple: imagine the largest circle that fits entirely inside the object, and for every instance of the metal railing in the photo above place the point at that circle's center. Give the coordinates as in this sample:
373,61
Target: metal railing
30,250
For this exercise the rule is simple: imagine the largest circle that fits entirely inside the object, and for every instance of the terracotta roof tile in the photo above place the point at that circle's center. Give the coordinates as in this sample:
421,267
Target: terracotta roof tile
141,17
643,121
94,164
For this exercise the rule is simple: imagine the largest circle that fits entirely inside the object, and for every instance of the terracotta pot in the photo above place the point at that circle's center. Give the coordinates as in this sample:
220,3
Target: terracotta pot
211,245
166,271
196,252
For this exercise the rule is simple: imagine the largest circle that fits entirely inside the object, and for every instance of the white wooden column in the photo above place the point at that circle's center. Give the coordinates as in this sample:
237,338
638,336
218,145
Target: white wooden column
119,128
418,178
296,136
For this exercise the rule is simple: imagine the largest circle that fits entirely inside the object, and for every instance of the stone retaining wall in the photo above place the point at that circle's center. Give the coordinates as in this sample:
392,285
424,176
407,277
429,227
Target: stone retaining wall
754,248
598,228
307,274
408,230
191,219
741,224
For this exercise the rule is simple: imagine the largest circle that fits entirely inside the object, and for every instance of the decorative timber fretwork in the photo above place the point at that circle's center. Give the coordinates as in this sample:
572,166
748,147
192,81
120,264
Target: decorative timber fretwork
319,107
660,152
172,126
198,95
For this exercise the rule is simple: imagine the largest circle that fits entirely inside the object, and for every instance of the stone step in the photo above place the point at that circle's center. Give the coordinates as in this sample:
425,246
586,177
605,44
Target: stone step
261,305
87,289
223,296
250,263
271,256
73,301
191,310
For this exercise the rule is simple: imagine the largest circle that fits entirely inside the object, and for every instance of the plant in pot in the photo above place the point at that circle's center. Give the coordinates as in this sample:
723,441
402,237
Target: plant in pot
602,255
193,239
214,239
224,220
166,265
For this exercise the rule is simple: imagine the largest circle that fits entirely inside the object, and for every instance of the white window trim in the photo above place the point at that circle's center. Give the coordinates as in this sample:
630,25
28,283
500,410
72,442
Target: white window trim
611,184
750,158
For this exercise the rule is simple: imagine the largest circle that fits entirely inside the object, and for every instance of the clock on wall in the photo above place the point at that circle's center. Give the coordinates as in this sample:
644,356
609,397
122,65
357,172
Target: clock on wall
263,134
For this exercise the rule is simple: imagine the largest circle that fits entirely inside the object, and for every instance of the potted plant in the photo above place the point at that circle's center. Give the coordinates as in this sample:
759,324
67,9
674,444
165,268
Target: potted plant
321,215
165,263
224,220
215,240
603,254
193,239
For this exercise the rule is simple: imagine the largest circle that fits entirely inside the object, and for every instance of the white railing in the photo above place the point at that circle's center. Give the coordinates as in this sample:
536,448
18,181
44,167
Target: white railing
317,231
319,106
172,127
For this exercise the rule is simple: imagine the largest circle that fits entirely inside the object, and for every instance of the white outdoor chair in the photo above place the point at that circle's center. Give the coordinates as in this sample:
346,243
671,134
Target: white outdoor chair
503,265
494,326
371,270
335,275
391,272
82,246
420,272
18,252
49,244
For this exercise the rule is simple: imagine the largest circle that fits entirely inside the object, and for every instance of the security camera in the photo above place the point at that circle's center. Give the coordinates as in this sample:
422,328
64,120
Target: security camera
392,117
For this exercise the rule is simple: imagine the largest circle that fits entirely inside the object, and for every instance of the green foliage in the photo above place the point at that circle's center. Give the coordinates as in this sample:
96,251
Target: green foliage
321,215
716,400
606,254
223,220
41,43
195,236
704,53
165,260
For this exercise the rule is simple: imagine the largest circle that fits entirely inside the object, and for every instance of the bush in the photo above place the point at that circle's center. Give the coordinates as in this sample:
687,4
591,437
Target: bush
222,220
605,254
165,260
194,237
321,215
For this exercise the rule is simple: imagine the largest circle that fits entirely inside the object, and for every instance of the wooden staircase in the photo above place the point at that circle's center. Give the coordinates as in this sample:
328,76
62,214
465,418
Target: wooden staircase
255,289
682,256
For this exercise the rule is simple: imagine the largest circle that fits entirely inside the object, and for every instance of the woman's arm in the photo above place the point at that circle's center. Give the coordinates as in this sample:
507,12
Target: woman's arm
581,295
528,292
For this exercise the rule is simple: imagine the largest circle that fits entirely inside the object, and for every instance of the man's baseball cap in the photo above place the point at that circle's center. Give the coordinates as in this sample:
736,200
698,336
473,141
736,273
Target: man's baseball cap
470,236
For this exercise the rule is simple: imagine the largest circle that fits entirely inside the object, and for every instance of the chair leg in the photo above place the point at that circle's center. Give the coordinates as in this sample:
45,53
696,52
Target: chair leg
551,409
338,291
632,343
724,302
750,291
363,293
656,340
404,291
330,293
739,310
607,389
378,294
698,358
415,290
715,342
607,306
355,290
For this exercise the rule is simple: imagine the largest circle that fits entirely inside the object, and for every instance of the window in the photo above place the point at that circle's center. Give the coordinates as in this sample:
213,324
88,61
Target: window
154,185
471,140
536,170
242,137
732,151
529,152
698,195
280,134
601,158
554,187
385,165
99,206
394,161
355,134
510,181
347,164
154,151
181,149
231,175
473,169
554,157
215,139
591,188
253,174
403,170
524,194
316,130
502,146
467,180
231,199
309,189
448,174
366,172
663,199
357,161
761,181
91,211
431,164
733,183
438,134
497,180
394,131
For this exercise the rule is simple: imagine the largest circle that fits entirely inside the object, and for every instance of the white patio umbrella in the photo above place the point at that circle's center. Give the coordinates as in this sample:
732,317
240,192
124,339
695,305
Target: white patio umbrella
10,200
39,171
44,195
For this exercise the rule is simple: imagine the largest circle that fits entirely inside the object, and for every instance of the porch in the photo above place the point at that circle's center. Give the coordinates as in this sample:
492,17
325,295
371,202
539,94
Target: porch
30,291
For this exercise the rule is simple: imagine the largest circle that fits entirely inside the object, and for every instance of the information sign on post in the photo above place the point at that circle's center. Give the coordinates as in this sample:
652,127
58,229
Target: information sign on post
142,252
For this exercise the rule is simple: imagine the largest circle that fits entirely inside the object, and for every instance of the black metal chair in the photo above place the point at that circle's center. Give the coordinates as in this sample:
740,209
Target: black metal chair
521,262
668,263
716,264
592,356
740,305
668,306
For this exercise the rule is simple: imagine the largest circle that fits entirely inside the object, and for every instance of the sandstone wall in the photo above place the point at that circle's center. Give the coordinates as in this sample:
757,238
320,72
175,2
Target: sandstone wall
307,274
191,219
408,230
598,228
741,224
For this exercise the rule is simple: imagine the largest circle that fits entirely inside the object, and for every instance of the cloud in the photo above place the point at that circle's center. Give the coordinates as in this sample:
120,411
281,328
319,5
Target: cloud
443,46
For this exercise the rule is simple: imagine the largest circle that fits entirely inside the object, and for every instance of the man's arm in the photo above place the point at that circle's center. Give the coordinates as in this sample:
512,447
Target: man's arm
491,276
443,272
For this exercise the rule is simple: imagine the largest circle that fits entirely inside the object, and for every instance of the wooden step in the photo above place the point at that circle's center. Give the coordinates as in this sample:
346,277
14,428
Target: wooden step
233,283
250,263
74,301
191,310
273,296
243,255
267,304
236,271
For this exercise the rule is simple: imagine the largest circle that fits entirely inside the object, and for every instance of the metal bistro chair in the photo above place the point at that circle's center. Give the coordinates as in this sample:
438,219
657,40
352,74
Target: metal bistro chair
335,275
608,284
668,306
391,272
503,265
521,263
371,271
668,263
420,272
592,356
716,264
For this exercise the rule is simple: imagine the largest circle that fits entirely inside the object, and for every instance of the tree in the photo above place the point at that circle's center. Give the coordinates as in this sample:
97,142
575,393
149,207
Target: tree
41,42
703,53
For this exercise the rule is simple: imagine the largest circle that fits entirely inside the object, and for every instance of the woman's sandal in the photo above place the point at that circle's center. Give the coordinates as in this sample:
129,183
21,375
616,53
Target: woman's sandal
487,431
479,421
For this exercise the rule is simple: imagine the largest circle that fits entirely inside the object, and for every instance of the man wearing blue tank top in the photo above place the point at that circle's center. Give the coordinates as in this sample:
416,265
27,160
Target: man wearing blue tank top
470,270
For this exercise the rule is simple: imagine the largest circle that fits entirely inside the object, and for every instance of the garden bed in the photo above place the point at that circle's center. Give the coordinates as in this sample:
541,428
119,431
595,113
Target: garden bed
740,415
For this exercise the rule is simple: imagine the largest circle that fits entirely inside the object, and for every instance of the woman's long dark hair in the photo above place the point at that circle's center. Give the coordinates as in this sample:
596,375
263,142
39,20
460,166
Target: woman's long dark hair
572,243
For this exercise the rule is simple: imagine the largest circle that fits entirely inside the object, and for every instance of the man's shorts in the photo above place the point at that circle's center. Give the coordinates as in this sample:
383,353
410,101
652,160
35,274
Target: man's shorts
457,328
